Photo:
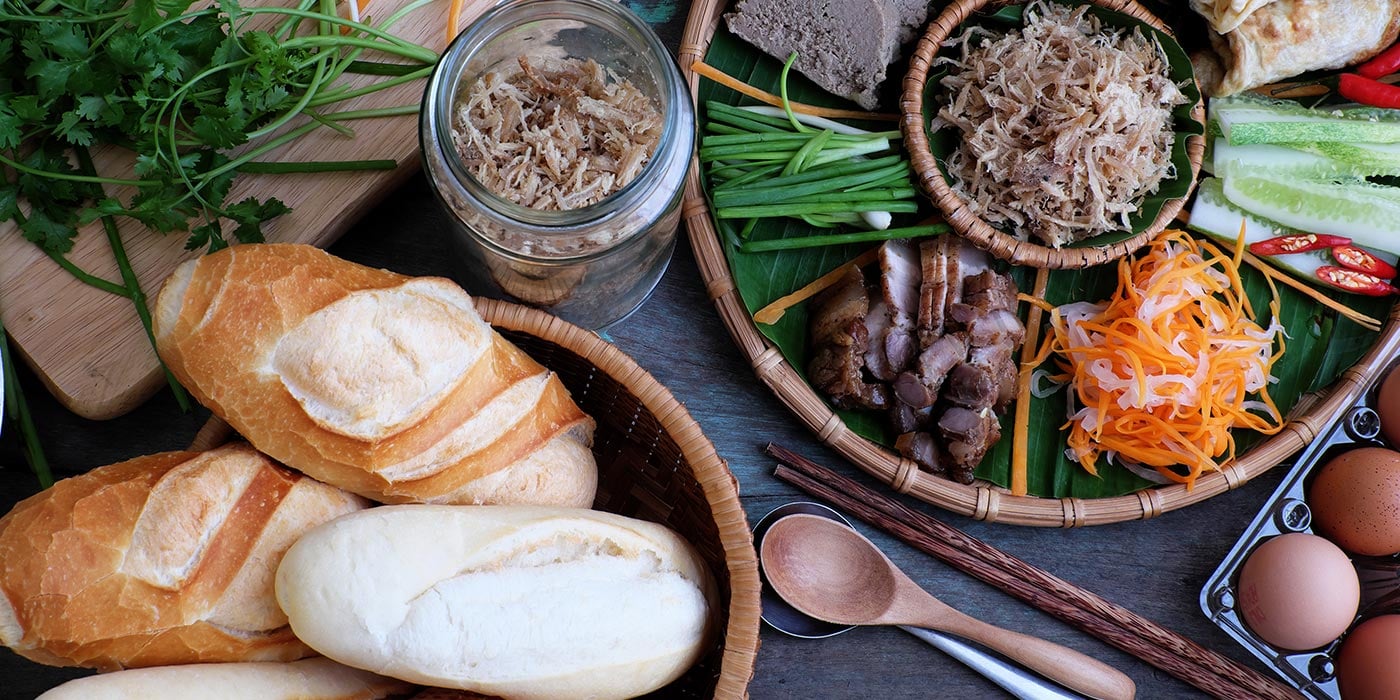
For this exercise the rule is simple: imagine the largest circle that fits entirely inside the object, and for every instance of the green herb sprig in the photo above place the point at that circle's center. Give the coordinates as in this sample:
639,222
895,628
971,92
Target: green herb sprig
764,163
194,95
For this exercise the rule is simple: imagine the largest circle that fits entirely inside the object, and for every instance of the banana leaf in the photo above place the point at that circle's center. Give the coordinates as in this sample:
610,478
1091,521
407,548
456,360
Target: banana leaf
1320,345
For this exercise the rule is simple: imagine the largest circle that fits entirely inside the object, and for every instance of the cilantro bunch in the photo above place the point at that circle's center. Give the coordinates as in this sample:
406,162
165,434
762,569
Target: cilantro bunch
195,95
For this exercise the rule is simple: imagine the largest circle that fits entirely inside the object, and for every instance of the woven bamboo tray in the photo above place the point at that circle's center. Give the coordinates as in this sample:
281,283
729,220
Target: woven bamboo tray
955,209
654,463
979,500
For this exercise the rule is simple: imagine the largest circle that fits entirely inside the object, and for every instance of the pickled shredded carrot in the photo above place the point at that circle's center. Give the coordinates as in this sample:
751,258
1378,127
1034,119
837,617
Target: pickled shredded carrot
1170,364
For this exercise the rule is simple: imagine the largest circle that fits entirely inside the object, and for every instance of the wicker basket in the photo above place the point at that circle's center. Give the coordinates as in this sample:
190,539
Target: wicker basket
654,463
955,210
979,500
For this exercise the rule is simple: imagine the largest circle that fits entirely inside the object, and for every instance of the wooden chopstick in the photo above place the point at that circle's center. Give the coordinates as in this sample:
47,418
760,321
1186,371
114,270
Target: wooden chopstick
1206,670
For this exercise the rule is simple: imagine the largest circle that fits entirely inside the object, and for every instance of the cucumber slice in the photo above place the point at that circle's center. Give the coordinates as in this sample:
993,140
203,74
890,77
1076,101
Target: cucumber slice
1368,214
1251,121
1319,161
1214,215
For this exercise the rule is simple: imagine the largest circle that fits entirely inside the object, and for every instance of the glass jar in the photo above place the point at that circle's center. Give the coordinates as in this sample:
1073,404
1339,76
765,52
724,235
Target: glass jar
591,265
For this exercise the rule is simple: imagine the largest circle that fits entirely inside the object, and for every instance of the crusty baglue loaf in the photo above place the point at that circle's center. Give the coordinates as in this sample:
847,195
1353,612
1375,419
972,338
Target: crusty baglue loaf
389,386
518,601
163,559
309,679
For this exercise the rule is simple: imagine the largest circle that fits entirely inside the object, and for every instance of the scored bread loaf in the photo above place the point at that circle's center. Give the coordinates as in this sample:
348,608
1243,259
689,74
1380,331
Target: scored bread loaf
389,386
163,559
308,679
517,601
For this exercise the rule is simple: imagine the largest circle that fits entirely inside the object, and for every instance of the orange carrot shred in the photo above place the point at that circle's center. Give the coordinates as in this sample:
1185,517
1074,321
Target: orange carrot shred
453,11
1171,363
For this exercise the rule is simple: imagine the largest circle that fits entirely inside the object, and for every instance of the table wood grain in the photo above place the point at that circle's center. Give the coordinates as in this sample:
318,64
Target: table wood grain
1156,567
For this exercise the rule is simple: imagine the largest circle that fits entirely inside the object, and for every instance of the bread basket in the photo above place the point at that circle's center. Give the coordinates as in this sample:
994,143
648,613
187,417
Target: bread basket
955,209
655,464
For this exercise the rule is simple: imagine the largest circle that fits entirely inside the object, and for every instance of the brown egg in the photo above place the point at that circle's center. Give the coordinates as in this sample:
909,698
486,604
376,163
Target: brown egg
1298,591
1388,406
1355,500
1369,666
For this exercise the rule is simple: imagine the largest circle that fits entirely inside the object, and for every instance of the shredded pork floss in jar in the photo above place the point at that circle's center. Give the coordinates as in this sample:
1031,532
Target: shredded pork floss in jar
557,134
1066,125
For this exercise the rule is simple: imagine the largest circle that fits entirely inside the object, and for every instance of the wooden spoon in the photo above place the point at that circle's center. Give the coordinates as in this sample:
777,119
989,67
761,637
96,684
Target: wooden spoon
831,572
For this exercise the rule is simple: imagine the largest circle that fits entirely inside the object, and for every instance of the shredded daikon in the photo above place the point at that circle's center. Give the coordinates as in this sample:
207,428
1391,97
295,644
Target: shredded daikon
1168,366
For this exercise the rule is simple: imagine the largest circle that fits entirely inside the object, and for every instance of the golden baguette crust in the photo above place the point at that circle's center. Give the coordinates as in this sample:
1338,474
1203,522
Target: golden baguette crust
309,679
389,386
163,559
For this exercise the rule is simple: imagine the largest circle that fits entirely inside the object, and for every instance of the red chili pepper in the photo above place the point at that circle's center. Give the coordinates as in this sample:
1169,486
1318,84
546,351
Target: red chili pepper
1355,282
1385,63
1298,243
1368,91
1353,258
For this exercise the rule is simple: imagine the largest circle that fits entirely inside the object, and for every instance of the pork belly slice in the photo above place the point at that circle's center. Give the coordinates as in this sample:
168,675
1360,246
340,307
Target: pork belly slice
967,436
900,283
840,340
877,326
922,449
933,292
971,386
919,386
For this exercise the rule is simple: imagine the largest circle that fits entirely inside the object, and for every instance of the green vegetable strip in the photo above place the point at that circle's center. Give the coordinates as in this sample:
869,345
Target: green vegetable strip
133,285
19,408
785,209
843,238
281,168
892,163
767,193
807,153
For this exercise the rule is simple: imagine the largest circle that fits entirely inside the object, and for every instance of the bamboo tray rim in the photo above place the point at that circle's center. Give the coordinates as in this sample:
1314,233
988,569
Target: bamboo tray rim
980,500
720,487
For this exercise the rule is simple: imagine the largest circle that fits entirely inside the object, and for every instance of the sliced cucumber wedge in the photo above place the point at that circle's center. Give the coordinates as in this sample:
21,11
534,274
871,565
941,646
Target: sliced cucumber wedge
1214,215
1319,161
1368,214
1245,121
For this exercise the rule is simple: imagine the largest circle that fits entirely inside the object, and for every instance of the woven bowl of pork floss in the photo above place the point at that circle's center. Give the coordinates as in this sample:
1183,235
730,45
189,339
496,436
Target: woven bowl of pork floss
1055,135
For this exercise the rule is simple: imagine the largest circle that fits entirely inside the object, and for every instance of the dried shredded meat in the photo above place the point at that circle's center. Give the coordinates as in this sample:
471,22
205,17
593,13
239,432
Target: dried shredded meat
1066,124
556,134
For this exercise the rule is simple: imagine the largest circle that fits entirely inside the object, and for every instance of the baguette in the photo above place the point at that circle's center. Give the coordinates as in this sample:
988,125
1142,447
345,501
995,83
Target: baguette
388,386
308,679
521,602
164,559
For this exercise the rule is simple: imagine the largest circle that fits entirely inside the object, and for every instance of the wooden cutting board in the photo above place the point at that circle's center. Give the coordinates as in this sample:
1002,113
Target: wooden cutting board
88,346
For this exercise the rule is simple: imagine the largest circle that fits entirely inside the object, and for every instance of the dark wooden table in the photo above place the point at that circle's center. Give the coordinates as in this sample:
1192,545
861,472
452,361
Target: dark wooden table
1155,567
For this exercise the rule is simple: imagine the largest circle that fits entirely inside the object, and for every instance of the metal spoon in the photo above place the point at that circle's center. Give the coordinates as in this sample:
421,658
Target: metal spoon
831,572
1012,678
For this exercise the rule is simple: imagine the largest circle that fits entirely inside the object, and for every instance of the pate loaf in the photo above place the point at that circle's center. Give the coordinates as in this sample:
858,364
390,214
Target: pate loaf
844,46
517,601
164,559
388,386
308,679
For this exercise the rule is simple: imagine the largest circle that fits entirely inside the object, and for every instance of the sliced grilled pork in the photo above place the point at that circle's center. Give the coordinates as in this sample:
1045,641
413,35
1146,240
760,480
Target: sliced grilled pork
933,294
923,450
877,326
967,435
971,385
919,386
900,281
839,340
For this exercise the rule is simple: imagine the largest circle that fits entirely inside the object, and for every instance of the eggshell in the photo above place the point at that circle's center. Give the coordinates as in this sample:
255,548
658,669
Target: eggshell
1388,406
1298,591
1355,500
1368,667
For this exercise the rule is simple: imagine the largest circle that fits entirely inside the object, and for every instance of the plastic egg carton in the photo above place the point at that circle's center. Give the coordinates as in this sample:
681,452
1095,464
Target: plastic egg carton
1314,671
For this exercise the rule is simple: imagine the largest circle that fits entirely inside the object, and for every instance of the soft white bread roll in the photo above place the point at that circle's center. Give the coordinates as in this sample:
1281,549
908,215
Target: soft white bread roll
164,559
516,601
389,386
308,679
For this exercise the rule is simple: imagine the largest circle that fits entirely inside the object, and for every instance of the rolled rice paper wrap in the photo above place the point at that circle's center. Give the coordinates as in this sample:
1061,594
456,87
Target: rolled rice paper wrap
1289,37
1225,15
